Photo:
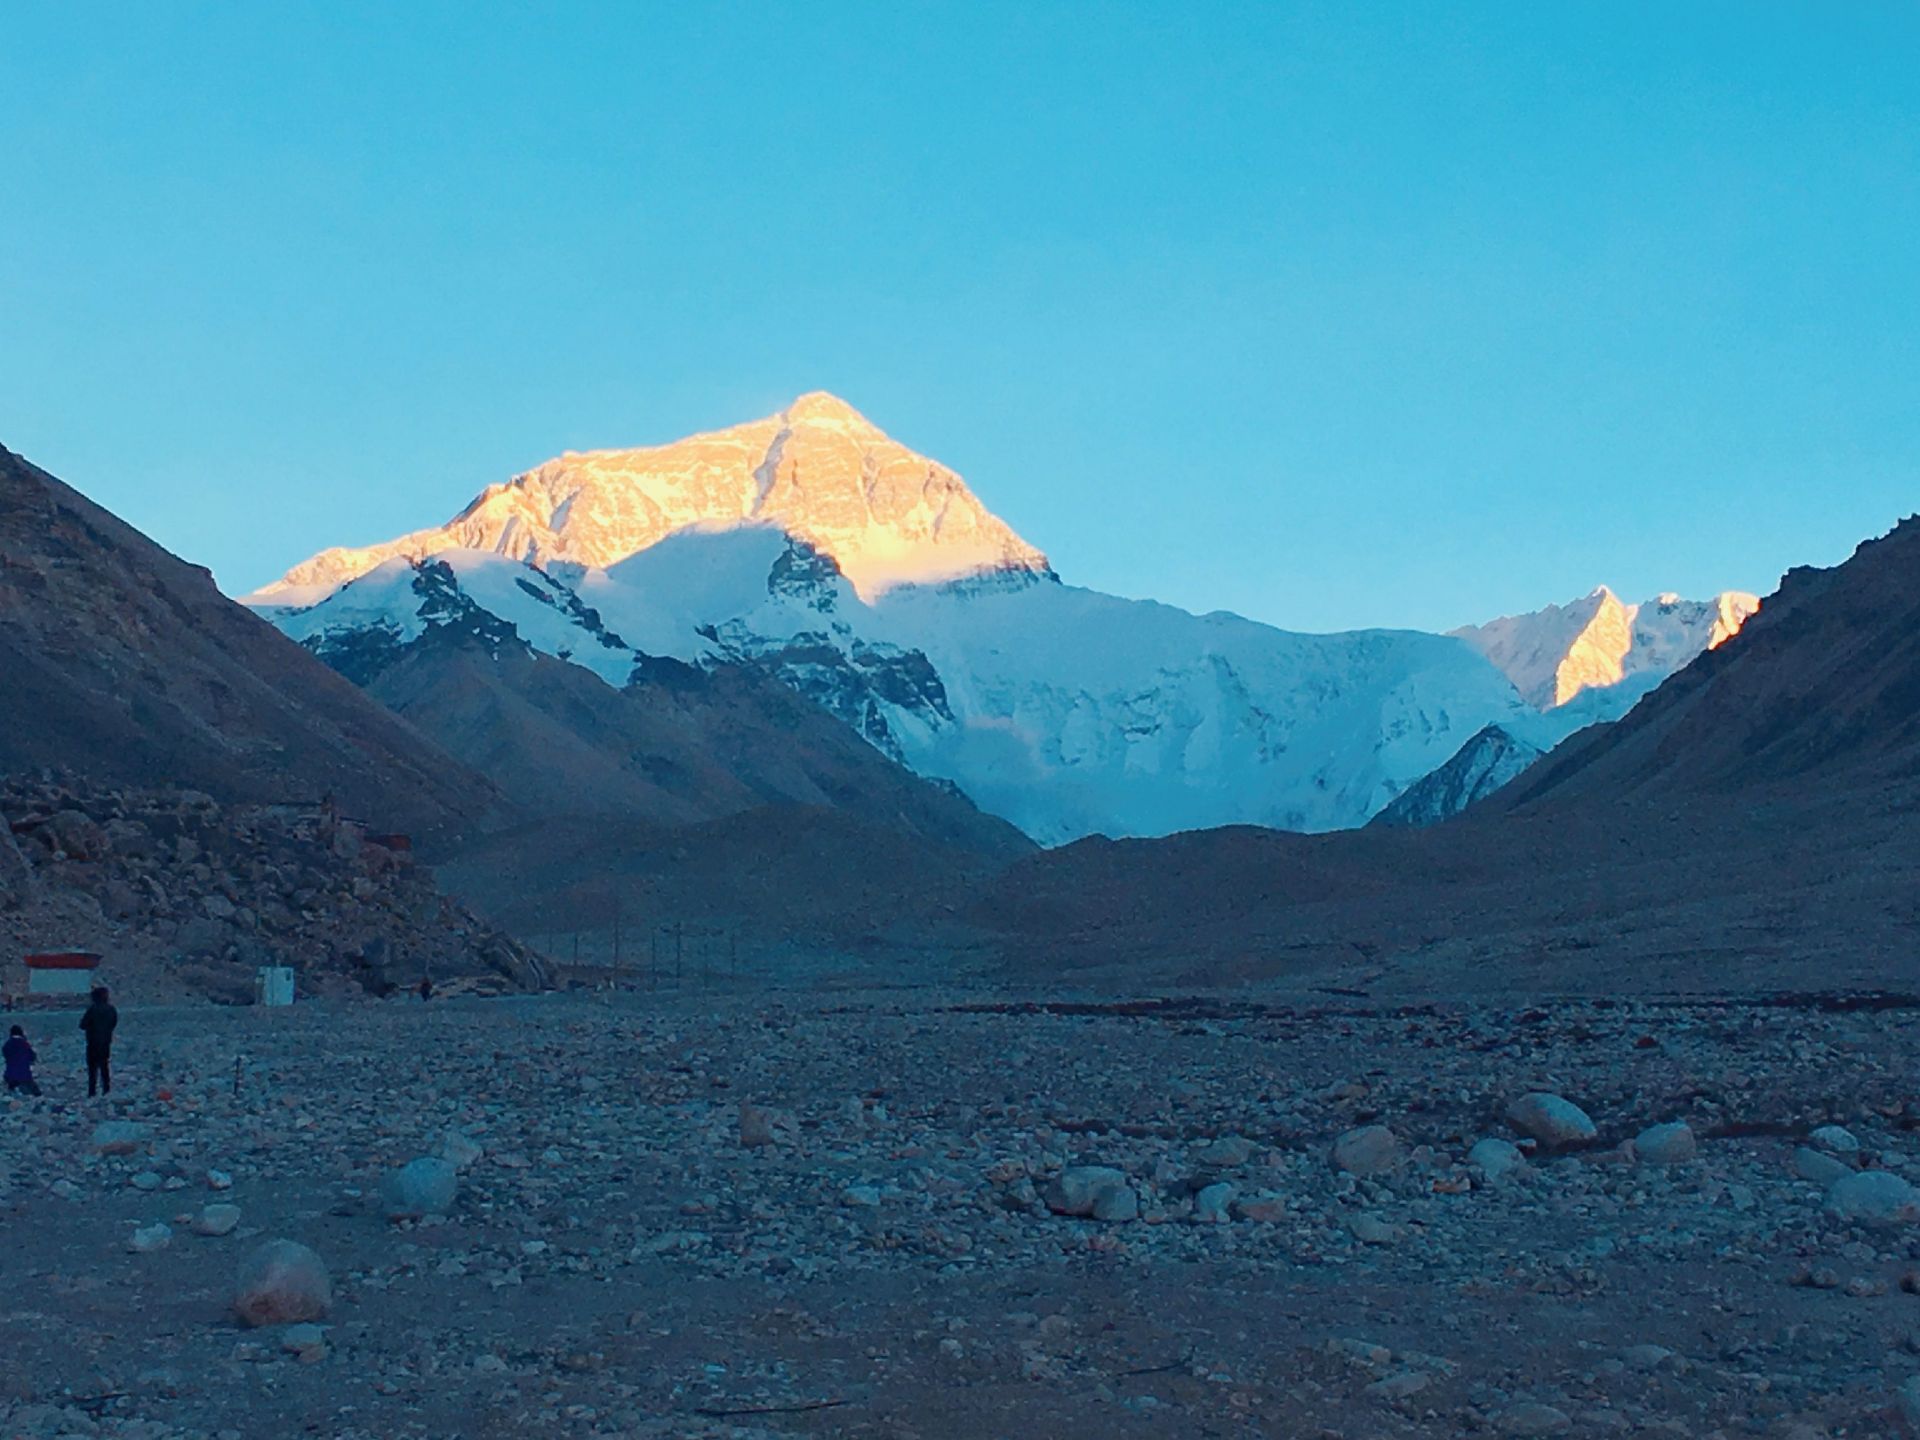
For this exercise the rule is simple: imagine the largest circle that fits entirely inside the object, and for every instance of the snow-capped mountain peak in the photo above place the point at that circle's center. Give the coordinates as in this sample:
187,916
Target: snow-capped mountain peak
1598,641
811,548
819,470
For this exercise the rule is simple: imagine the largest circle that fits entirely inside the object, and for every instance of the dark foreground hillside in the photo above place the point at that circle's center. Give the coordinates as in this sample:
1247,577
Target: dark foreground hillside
1753,825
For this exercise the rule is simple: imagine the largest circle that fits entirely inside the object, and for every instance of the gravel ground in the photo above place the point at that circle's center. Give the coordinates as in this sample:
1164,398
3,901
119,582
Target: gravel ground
840,1214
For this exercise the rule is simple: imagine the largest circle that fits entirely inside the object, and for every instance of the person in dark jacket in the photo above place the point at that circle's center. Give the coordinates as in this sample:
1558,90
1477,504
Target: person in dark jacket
20,1057
98,1024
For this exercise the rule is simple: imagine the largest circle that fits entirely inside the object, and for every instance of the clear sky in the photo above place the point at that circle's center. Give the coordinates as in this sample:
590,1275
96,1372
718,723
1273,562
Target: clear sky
1333,315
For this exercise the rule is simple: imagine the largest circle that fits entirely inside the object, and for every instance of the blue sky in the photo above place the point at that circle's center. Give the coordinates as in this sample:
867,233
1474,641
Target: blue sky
1332,315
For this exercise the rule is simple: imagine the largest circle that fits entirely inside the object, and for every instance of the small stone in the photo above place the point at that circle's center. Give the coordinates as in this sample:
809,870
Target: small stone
1496,1160
1645,1357
1551,1119
1669,1144
1229,1152
219,1180
1370,1229
1359,1352
1210,1205
305,1342
427,1186
756,1128
1874,1197
1368,1150
146,1180
1531,1421
460,1150
1265,1209
1820,1168
861,1196
1835,1140
1399,1386
282,1282
217,1220
150,1238
118,1137
1907,1402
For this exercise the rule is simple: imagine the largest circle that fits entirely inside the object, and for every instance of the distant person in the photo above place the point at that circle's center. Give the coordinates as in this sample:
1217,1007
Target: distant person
98,1024
426,987
20,1057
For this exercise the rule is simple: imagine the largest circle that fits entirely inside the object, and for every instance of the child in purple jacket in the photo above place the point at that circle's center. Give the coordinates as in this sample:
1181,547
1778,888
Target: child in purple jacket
20,1057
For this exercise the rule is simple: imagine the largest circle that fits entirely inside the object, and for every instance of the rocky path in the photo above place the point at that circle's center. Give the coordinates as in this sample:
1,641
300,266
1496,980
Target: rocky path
928,1215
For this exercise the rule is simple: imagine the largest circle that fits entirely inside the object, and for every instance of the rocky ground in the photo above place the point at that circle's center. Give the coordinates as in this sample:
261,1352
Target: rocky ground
925,1213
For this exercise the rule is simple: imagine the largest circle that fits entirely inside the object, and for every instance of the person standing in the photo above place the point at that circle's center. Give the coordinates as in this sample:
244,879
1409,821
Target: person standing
98,1024
18,1053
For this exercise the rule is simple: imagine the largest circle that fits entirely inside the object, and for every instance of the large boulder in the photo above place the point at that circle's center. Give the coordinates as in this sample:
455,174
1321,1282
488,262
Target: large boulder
1875,1197
1551,1119
282,1283
426,1186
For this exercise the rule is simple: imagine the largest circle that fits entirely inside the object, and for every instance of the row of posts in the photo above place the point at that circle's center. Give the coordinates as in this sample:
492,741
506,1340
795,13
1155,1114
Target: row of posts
666,946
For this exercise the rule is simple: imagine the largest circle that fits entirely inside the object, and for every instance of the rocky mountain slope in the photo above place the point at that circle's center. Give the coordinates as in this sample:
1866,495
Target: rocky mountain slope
125,662
187,792
1747,825
1821,691
650,740
183,894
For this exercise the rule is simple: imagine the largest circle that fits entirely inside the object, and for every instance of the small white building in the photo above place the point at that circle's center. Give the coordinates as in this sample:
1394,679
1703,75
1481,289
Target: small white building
69,972
276,985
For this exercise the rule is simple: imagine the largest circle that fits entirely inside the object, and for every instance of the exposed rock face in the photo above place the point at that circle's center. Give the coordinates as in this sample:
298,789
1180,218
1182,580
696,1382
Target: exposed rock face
215,891
1488,761
819,470
1817,692
1063,710
1554,654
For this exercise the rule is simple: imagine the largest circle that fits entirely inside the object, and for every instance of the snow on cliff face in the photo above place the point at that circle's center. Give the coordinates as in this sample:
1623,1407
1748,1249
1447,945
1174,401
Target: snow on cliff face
1064,710
871,580
1488,761
1554,654
819,470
